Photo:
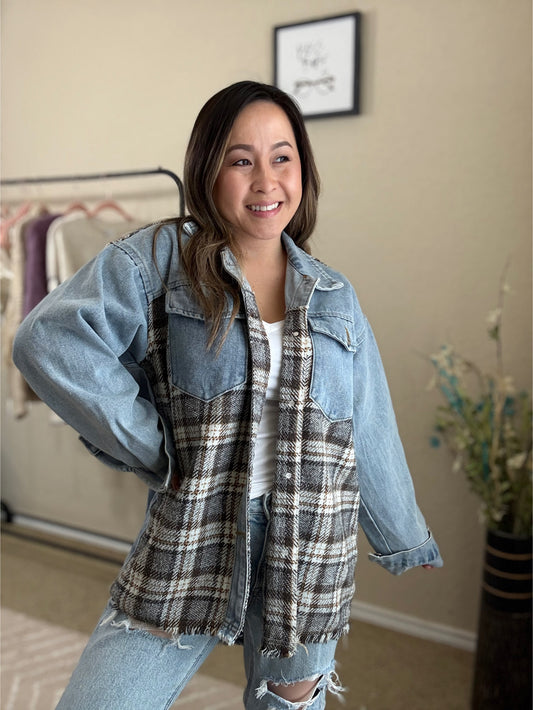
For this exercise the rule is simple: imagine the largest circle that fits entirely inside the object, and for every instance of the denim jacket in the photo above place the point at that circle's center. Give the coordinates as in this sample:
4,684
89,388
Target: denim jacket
119,352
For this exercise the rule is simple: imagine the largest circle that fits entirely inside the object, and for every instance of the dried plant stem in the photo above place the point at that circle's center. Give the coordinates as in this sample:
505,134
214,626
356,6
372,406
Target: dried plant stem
499,394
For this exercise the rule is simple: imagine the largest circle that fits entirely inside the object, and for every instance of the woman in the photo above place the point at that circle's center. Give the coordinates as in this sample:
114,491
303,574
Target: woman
237,375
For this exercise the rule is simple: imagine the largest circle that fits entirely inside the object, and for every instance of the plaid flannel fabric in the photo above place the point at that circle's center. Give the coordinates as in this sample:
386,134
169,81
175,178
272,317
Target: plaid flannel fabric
179,576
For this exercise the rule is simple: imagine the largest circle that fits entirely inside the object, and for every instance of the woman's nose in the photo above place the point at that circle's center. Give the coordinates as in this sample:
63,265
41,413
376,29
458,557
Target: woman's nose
264,179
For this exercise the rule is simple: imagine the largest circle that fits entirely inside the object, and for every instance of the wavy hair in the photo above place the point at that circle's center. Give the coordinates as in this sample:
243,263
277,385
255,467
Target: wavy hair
201,253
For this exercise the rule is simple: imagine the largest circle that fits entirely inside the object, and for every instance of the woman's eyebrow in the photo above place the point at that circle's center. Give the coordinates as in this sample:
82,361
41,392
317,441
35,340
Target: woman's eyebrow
250,148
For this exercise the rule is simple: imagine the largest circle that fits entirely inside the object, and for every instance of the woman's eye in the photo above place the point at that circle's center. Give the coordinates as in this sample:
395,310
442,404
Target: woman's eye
242,161
282,159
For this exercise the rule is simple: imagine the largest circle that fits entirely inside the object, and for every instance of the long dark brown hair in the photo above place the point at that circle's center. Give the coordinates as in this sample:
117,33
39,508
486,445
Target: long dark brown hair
200,254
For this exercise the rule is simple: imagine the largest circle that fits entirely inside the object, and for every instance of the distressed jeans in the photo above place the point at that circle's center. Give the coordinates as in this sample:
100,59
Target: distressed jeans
127,666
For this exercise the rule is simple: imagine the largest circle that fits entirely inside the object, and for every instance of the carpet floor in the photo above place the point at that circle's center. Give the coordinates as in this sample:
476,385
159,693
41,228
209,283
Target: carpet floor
38,659
64,589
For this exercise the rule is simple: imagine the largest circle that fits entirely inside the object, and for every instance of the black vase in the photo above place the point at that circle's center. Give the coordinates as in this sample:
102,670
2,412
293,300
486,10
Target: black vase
502,678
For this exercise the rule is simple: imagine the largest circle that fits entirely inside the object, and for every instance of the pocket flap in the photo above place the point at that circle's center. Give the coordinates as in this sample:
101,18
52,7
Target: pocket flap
181,300
341,329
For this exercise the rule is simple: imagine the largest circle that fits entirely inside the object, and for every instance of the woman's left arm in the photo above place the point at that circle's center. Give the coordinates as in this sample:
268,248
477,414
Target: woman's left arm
389,514
80,350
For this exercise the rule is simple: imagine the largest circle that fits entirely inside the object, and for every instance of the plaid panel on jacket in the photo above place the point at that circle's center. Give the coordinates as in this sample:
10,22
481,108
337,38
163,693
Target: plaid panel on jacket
179,576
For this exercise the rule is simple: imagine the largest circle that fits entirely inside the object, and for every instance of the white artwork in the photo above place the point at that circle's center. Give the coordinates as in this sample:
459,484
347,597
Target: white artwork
317,63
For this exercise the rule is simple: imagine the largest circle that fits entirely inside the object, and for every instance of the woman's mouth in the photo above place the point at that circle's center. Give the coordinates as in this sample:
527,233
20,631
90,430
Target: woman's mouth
264,208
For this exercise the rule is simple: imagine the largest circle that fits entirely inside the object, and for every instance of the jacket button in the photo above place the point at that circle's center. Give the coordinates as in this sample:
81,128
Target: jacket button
295,333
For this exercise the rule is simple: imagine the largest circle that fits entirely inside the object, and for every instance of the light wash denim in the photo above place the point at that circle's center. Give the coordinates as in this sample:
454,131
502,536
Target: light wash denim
95,327
128,667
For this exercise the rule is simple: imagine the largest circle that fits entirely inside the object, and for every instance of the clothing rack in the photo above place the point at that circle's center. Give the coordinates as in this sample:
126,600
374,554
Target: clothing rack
7,513
103,176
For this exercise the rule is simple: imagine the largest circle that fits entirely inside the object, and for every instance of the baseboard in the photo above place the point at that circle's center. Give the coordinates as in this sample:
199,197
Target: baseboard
413,626
376,615
70,533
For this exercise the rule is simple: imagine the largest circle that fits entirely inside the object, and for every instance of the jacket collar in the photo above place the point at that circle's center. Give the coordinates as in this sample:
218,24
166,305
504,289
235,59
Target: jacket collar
303,263
309,267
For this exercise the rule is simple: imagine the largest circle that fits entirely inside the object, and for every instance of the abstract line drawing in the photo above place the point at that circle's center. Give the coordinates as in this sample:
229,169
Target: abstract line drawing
317,62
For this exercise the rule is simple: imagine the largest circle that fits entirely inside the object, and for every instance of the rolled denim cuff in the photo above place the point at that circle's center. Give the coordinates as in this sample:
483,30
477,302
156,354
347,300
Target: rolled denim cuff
152,480
425,554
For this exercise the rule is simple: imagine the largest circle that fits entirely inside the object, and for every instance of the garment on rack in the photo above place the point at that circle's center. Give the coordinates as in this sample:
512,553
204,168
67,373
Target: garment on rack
44,250
6,276
76,238
18,388
35,278
8,220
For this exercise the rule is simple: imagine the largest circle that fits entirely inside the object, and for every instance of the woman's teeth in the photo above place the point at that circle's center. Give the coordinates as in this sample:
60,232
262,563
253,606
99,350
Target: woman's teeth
263,208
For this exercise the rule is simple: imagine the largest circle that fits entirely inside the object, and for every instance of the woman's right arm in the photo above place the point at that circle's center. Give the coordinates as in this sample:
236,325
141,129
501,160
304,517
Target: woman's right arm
78,348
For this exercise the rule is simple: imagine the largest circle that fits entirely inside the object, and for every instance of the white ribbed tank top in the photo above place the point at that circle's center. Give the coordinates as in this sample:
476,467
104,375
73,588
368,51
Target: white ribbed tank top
264,463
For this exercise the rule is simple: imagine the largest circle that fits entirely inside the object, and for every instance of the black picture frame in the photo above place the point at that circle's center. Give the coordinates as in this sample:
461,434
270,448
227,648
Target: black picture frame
318,61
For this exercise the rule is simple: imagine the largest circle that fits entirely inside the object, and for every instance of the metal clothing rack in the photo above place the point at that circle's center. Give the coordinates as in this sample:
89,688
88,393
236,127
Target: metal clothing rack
7,513
103,176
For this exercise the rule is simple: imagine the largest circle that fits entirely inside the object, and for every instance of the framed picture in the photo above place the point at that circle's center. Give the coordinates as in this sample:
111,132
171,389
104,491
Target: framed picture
317,63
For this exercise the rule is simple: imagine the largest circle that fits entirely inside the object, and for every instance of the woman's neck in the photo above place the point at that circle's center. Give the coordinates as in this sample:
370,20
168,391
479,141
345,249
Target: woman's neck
264,268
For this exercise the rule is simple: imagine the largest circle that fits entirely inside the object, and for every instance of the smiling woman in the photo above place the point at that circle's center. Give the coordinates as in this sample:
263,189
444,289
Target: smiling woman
208,155
257,191
239,378
259,186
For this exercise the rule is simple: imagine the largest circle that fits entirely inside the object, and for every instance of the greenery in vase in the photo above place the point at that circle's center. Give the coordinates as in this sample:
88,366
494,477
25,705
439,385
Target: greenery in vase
486,424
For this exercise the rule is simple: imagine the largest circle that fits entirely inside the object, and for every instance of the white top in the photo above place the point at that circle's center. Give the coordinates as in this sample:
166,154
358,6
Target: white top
264,464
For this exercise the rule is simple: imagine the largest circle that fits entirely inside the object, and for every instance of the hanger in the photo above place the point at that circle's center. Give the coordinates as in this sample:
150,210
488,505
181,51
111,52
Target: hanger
77,206
106,204
111,204
10,221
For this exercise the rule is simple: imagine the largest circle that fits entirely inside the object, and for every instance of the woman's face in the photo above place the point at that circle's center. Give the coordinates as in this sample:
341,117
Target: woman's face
259,186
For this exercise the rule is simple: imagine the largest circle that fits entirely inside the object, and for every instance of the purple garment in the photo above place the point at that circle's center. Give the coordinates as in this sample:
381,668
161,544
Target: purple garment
35,288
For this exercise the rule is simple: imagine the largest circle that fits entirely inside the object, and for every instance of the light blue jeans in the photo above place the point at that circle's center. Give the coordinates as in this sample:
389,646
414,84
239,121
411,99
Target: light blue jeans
127,667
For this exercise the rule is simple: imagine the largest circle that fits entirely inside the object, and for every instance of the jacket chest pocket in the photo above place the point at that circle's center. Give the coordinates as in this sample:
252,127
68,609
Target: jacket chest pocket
332,377
200,371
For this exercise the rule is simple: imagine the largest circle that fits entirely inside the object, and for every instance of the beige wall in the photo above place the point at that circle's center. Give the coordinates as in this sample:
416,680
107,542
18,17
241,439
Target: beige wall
426,195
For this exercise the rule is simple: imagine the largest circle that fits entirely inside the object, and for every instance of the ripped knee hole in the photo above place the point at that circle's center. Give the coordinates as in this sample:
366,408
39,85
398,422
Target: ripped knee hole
303,692
298,692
